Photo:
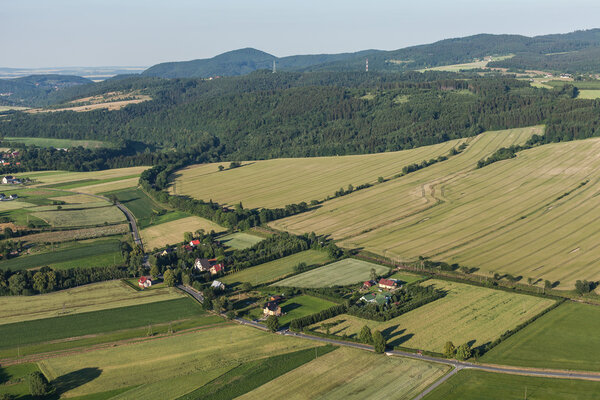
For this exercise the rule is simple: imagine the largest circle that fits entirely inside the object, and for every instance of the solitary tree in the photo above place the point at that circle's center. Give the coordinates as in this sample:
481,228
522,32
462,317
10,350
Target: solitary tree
380,179
272,323
221,168
378,342
169,278
463,352
547,284
449,350
38,384
365,335
373,274
154,271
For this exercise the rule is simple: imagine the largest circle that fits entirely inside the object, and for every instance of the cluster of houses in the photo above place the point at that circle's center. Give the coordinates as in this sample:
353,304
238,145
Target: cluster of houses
272,306
380,298
10,180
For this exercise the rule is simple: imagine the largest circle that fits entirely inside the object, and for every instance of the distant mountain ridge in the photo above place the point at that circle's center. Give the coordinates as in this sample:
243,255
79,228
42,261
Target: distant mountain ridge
530,52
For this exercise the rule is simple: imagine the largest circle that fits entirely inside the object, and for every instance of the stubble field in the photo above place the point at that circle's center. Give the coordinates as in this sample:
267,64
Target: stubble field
277,182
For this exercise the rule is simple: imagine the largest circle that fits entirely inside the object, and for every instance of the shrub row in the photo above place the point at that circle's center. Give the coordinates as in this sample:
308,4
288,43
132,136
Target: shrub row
299,323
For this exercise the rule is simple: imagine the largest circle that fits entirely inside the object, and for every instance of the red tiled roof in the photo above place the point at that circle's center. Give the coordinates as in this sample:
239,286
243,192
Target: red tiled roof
195,242
143,279
387,282
368,283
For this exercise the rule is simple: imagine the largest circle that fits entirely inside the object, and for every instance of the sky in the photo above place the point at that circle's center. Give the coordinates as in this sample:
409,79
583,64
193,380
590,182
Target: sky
62,33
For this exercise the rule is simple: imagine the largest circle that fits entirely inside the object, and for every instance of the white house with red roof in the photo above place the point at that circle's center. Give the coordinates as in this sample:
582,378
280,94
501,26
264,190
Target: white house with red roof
389,284
145,282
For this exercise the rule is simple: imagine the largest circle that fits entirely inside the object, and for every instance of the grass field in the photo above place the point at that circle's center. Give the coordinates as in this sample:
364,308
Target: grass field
82,254
466,314
352,374
159,236
273,270
511,217
467,66
221,348
563,338
144,209
240,240
93,297
300,306
589,94
476,385
248,376
57,177
58,143
406,277
275,183
109,186
342,273
13,380
82,217
94,322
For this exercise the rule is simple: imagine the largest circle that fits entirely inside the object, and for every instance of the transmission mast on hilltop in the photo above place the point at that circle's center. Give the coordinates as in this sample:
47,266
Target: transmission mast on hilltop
367,66
274,67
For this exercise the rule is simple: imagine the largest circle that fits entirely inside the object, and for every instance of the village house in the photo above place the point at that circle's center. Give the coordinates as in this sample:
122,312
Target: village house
145,282
195,243
8,179
166,251
368,284
272,308
218,285
389,284
208,265
276,298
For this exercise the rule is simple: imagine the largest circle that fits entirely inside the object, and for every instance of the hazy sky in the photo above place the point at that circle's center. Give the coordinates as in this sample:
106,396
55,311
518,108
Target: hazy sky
58,33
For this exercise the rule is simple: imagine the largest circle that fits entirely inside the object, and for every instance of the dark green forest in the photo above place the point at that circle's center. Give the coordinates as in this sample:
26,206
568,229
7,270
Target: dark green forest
264,115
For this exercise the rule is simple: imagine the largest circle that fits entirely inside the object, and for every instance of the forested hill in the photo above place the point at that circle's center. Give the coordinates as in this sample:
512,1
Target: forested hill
265,115
570,52
33,88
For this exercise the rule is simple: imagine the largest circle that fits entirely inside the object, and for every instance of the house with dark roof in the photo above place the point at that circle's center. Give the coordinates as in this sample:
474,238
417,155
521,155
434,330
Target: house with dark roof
209,265
272,308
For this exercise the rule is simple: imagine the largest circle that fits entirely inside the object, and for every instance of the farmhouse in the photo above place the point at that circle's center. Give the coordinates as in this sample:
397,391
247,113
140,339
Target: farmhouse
205,264
10,180
218,285
368,284
388,284
272,308
145,282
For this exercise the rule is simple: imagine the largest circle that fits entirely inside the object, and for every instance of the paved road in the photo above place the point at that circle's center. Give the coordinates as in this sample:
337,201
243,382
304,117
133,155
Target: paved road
195,294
